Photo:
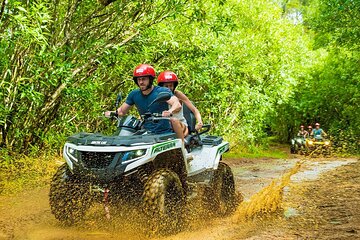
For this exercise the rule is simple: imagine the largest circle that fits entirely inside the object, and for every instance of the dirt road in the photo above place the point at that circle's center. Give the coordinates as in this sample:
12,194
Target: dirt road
322,201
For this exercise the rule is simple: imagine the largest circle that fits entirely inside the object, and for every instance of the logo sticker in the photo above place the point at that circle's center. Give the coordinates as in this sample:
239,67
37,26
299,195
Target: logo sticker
163,146
98,142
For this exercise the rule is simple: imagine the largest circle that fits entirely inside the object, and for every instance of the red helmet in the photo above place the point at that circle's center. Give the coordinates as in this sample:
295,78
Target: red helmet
144,70
302,126
310,126
167,77
317,124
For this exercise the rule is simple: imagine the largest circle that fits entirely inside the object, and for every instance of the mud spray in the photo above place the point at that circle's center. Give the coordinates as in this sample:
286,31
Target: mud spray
266,201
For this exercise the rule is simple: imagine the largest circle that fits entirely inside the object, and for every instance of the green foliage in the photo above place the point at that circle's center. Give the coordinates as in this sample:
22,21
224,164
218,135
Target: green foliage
330,95
248,65
335,22
270,149
236,62
253,68
52,77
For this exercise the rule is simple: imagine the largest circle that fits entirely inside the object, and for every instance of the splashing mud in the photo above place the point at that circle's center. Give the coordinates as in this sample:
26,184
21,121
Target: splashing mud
268,200
27,215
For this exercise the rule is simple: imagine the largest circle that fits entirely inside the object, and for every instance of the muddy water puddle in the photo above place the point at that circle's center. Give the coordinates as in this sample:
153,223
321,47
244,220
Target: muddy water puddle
27,216
313,169
252,176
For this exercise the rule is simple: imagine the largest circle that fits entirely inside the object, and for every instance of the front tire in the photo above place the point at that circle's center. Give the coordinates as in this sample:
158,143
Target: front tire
221,197
164,202
69,198
292,149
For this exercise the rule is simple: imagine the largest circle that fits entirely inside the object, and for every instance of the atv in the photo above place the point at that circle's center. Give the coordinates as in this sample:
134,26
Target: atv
155,172
317,146
297,144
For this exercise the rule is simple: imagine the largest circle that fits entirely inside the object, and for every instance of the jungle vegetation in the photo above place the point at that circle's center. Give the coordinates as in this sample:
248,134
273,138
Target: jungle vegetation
254,68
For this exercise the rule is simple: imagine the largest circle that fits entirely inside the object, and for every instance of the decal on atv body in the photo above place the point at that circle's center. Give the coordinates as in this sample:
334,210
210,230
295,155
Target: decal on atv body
163,146
222,149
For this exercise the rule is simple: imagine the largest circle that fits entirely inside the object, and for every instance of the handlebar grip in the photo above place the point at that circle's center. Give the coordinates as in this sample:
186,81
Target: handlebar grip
114,114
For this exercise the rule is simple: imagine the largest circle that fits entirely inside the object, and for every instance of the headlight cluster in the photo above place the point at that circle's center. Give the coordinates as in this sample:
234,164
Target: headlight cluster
311,142
133,154
327,143
75,154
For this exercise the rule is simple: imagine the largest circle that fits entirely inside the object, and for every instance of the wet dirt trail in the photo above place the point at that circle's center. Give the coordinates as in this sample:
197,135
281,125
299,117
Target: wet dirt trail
321,202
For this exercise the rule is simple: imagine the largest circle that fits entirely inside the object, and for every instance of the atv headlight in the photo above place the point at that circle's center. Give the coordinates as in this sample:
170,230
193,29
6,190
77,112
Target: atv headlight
133,154
311,142
327,143
73,153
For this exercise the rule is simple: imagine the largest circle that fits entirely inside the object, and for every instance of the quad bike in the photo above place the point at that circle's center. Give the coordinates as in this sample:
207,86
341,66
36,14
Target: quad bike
155,172
317,146
297,145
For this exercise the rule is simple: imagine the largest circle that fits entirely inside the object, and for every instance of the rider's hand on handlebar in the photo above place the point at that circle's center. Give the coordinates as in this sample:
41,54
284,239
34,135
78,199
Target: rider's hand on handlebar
109,114
198,126
166,114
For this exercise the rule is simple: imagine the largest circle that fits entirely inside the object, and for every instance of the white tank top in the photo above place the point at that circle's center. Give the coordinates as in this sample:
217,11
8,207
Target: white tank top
180,115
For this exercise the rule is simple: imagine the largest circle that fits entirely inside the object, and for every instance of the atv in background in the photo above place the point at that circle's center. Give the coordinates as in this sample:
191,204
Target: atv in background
156,173
297,145
317,145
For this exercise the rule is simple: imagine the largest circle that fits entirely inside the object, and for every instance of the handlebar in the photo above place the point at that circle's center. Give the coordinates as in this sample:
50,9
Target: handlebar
145,117
114,114
154,117
206,127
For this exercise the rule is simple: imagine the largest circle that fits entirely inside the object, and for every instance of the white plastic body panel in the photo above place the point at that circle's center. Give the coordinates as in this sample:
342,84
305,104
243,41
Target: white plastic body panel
205,158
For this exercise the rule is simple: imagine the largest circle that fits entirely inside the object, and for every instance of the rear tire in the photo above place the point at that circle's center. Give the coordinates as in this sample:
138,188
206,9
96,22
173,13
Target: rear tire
220,197
164,202
69,198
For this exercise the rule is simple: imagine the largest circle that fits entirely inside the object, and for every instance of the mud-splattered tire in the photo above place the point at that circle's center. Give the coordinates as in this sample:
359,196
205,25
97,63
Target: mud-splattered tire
220,197
69,198
164,202
302,150
292,149
326,152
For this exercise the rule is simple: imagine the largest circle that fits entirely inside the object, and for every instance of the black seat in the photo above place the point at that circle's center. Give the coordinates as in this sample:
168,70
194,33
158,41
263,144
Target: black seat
190,119
192,140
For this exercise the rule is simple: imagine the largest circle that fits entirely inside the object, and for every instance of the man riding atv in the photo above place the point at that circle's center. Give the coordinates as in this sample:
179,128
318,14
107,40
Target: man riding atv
318,133
144,165
317,143
143,76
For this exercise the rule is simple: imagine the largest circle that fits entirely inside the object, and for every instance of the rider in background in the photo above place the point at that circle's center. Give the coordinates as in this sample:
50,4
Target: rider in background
146,92
318,132
309,130
302,132
170,80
